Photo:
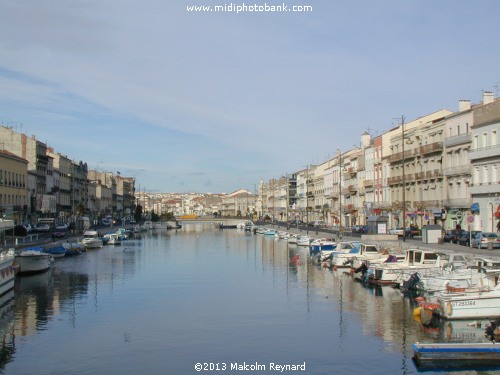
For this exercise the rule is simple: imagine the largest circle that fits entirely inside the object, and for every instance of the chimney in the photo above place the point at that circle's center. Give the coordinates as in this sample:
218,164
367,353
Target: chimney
488,97
463,105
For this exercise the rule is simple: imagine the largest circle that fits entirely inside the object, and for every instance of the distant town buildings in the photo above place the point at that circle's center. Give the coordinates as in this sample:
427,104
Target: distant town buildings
441,168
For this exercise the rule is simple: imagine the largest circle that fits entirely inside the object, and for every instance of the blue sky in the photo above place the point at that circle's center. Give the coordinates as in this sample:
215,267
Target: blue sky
214,102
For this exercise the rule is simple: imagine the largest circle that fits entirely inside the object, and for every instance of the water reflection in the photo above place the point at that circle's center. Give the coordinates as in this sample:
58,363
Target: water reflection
7,331
199,293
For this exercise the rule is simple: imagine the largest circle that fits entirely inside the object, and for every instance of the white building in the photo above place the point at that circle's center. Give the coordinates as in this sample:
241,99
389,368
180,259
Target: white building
485,159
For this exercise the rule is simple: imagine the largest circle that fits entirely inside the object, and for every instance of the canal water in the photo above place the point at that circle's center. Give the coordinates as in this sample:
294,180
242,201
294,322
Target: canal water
200,300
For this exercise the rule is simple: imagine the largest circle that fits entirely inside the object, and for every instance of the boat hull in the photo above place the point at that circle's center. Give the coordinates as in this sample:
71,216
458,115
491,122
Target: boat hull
32,262
470,306
7,271
456,354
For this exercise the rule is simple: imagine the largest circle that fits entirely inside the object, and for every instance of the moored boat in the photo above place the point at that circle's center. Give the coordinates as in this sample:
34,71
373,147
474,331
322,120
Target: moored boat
7,271
91,240
73,248
453,355
321,244
423,261
469,304
113,239
33,260
303,241
56,252
270,232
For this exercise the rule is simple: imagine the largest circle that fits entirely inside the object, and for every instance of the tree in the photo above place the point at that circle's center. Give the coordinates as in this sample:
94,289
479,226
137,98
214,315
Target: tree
138,213
154,217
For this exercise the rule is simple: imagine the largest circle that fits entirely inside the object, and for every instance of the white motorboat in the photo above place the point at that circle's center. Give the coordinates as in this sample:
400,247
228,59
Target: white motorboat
303,240
283,235
7,271
270,232
292,238
367,252
469,304
33,260
454,280
423,261
91,240
321,244
113,238
342,247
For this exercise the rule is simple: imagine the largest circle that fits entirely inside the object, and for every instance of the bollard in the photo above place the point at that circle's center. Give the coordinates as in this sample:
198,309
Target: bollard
490,245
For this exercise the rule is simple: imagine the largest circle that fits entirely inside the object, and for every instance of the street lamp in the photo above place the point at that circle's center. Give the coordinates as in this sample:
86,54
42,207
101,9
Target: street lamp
340,192
404,178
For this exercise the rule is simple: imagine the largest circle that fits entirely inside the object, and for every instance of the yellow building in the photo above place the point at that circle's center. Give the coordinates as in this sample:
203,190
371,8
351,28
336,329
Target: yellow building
14,202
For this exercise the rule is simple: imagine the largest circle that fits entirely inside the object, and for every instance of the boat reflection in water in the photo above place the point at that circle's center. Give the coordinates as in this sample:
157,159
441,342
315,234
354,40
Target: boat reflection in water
7,335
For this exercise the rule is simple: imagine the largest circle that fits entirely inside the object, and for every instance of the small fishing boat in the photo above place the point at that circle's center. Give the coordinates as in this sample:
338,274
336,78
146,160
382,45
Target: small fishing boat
303,241
73,248
56,252
321,244
292,238
452,355
113,239
270,232
33,260
91,240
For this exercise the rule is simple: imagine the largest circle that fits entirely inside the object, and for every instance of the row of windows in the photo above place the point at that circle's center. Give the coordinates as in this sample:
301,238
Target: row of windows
12,179
485,140
11,199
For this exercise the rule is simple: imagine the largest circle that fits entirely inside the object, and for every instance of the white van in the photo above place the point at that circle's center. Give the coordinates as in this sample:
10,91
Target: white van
319,224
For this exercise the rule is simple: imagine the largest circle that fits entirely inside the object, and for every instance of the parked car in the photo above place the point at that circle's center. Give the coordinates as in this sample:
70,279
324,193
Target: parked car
363,229
449,235
59,233
62,227
319,224
412,231
463,238
482,240
106,222
42,228
398,231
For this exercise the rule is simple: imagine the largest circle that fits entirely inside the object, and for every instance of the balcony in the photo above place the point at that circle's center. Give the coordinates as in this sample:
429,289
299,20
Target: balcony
432,175
458,203
484,152
367,183
484,188
398,157
458,140
433,147
352,188
431,204
395,180
458,171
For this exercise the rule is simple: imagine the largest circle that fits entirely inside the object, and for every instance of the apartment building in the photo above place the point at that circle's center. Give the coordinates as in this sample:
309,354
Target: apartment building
484,157
14,198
